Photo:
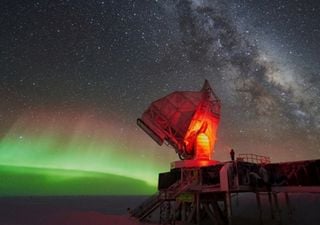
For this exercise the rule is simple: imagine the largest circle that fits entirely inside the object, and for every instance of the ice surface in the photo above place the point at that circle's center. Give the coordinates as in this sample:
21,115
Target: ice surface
112,210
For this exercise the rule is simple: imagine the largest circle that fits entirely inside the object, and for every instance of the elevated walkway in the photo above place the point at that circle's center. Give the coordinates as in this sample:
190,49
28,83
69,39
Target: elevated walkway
190,194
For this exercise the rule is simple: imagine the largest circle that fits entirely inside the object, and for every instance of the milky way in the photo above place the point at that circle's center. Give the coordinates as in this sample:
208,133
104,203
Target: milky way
107,60
274,99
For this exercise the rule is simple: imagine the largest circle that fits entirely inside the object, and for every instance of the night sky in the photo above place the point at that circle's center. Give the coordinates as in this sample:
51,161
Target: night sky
75,75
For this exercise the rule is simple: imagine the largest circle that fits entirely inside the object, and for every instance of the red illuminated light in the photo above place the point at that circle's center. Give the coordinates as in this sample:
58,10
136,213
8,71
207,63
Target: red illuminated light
186,120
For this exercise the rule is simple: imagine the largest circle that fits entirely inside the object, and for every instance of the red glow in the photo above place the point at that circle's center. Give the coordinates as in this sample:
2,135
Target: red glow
202,133
188,121
202,146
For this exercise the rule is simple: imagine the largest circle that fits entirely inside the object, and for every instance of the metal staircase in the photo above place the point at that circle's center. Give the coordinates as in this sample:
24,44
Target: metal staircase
155,201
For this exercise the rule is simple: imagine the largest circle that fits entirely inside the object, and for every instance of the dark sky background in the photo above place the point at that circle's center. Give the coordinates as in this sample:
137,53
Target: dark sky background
111,59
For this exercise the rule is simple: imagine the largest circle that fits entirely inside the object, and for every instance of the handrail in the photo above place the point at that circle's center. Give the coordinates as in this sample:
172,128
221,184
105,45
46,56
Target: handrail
155,199
254,158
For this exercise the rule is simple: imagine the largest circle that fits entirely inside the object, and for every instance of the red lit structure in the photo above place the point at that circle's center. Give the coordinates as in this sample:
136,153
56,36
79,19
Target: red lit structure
198,188
186,120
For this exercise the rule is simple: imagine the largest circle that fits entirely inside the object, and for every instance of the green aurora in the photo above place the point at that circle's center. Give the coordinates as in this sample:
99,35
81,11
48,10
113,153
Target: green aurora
24,181
78,149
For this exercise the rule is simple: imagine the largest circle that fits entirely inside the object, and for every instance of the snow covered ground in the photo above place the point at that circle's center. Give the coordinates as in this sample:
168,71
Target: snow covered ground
305,209
96,210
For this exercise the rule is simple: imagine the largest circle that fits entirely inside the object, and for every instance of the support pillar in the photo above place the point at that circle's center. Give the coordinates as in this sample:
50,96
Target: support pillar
198,209
259,207
228,207
183,212
278,211
191,213
271,205
290,210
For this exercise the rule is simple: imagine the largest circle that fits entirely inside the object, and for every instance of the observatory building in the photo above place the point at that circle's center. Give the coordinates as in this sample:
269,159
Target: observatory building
199,188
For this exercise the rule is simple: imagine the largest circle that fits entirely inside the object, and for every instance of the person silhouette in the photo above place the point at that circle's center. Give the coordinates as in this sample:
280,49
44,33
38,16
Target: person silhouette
232,154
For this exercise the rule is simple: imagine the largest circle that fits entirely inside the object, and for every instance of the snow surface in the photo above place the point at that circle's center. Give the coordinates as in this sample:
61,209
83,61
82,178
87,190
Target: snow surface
96,210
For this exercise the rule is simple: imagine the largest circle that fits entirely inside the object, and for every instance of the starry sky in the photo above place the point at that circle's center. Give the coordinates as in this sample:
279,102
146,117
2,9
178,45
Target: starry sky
75,75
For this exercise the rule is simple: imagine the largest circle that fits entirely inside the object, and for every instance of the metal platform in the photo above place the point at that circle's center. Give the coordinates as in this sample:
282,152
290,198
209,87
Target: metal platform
188,193
193,163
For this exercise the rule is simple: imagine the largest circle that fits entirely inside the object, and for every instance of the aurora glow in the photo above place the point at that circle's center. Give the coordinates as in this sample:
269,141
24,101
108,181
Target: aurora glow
83,143
26,181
